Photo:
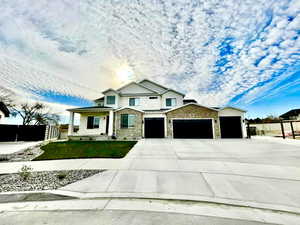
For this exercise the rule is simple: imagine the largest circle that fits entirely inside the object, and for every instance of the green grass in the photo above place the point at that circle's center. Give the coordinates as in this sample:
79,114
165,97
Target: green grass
85,149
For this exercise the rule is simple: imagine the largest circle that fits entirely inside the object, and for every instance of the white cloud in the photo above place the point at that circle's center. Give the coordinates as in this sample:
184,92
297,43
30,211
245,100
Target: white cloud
75,48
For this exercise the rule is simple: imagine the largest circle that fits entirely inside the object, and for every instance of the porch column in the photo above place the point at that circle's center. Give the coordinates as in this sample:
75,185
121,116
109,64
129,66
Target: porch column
71,124
111,123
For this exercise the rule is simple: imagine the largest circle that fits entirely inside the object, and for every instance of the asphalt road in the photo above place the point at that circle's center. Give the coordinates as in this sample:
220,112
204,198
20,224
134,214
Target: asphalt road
114,217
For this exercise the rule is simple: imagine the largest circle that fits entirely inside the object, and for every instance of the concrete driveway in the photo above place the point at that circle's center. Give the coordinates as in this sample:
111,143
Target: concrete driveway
229,182
255,173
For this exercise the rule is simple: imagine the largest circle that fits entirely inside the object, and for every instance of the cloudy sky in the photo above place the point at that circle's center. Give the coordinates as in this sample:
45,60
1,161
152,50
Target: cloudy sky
243,53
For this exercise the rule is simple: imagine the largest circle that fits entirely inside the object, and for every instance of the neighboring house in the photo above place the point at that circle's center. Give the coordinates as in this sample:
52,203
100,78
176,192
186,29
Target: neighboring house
293,114
4,112
149,110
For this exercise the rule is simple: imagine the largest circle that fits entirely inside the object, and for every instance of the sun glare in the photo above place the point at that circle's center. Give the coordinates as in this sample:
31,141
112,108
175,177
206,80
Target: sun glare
124,73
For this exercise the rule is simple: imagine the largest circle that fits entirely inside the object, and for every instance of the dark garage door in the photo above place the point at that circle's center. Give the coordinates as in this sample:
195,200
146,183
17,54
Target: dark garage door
192,128
154,127
231,127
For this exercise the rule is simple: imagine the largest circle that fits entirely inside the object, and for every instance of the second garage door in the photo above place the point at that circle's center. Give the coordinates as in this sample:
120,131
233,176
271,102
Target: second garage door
231,127
192,128
154,127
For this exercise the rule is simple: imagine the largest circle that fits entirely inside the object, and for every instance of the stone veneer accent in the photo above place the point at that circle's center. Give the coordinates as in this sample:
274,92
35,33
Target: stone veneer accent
193,111
132,132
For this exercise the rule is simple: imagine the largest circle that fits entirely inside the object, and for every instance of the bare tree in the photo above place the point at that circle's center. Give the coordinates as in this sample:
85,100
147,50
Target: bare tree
35,114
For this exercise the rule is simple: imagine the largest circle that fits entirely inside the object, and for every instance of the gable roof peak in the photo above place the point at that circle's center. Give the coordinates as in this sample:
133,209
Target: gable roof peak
140,85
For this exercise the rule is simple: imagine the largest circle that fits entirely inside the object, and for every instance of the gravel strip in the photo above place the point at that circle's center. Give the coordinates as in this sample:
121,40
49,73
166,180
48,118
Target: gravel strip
47,180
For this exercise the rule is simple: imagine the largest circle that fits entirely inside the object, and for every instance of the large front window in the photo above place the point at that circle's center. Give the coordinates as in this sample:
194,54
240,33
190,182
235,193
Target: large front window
134,101
127,120
170,102
93,122
110,100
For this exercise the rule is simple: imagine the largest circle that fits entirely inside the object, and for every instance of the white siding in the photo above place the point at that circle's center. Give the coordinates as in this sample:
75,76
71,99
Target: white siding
154,87
97,131
112,93
145,102
171,94
134,89
234,112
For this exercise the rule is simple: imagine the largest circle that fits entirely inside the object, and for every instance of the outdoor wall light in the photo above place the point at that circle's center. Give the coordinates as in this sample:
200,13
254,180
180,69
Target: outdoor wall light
216,120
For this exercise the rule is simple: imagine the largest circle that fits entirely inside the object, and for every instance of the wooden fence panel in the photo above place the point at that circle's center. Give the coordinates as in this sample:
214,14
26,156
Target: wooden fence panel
22,132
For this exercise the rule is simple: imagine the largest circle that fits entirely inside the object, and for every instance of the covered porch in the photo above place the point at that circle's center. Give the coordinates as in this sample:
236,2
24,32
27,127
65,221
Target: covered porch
96,123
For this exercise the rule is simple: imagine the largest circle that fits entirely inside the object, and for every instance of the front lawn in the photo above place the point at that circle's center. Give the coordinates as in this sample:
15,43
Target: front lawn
85,149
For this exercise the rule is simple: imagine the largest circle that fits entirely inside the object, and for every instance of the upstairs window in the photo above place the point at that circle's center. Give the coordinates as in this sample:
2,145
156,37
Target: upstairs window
170,102
93,122
127,120
134,101
111,100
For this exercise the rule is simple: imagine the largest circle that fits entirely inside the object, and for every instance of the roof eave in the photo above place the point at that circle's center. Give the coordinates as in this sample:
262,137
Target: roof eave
128,107
87,109
149,89
173,91
110,89
154,83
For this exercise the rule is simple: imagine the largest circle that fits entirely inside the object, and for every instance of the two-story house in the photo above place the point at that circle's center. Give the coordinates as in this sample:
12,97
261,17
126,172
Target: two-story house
146,109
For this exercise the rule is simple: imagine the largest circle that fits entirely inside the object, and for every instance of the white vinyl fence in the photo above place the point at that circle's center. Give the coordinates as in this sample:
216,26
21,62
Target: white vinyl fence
274,129
52,132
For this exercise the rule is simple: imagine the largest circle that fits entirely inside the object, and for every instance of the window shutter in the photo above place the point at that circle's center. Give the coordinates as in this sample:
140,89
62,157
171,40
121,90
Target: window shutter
90,122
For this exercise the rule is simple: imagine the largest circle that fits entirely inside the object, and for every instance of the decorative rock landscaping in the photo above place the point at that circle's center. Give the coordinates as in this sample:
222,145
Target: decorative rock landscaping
47,180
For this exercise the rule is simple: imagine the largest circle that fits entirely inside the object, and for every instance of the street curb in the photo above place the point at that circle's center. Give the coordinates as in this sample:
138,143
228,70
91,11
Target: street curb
155,196
190,198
